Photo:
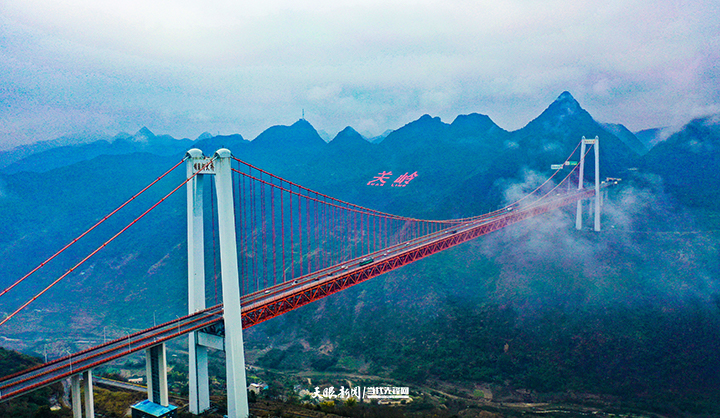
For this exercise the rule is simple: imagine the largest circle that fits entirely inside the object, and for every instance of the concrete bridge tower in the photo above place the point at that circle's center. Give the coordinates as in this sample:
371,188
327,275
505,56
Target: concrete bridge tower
596,151
230,339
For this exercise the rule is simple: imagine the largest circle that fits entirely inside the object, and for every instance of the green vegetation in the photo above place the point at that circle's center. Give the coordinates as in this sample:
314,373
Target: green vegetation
12,362
35,404
114,403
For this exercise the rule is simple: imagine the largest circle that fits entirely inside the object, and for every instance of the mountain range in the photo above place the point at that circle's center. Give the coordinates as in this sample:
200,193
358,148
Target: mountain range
43,188
48,195
551,130
51,192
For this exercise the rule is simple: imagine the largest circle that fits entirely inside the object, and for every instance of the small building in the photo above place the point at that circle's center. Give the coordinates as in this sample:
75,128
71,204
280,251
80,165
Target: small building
147,409
257,387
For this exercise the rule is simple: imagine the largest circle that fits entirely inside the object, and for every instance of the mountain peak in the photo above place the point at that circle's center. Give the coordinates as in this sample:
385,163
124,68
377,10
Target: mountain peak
300,134
349,131
348,137
475,127
565,96
563,109
567,102
425,122
473,122
204,135
426,130
302,123
428,119
144,131
143,135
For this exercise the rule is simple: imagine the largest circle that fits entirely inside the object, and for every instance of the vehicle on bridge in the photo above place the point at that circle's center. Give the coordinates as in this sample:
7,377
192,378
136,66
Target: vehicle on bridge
365,261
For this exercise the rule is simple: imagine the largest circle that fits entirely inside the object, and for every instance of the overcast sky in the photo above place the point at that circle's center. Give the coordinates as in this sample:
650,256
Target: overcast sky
182,67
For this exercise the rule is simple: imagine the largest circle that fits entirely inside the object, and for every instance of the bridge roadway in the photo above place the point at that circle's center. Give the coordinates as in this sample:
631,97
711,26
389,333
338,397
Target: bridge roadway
277,300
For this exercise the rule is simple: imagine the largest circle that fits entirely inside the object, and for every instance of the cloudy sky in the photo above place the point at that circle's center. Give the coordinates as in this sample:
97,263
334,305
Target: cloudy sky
182,67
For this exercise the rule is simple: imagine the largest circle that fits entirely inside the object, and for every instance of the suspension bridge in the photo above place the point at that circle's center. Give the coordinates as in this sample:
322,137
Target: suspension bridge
282,246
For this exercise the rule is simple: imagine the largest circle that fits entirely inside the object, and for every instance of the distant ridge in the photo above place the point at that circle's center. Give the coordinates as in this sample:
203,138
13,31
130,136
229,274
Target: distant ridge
299,135
209,145
627,137
554,130
378,139
651,137
23,151
349,137
144,140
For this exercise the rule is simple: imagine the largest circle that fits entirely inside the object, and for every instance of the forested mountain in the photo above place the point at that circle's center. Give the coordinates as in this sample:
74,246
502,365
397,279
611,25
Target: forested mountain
631,312
36,404
687,162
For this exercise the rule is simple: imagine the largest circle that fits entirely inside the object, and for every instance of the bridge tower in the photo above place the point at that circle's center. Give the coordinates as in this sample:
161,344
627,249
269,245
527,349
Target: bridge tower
199,341
596,151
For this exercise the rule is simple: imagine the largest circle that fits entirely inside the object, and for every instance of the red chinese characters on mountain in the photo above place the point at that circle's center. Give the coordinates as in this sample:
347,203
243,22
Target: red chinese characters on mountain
380,179
404,179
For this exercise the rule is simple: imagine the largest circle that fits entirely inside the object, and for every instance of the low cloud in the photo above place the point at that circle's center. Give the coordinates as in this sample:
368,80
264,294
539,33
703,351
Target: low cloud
514,190
647,252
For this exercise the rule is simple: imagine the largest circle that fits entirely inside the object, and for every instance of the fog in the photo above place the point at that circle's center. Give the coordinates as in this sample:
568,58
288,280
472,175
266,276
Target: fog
649,250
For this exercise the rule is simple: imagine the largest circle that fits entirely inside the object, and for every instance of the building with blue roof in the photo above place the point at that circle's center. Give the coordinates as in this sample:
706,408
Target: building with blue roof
147,409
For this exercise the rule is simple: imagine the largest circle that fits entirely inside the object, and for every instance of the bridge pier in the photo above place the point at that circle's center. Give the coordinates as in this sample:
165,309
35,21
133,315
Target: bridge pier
198,376
89,401
75,390
156,374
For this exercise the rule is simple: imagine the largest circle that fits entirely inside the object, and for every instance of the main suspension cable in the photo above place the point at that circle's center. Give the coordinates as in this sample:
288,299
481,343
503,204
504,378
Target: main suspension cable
103,245
98,223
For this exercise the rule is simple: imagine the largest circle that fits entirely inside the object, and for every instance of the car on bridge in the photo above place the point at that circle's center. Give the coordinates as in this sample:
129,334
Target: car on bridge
365,261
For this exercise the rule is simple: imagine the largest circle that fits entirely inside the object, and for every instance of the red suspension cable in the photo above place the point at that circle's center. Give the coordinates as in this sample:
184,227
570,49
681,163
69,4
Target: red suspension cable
263,227
91,228
292,235
102,246
274,243
282,231
300,233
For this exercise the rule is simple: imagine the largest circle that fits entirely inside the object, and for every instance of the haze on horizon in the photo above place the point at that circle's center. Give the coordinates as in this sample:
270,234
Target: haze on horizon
185,67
